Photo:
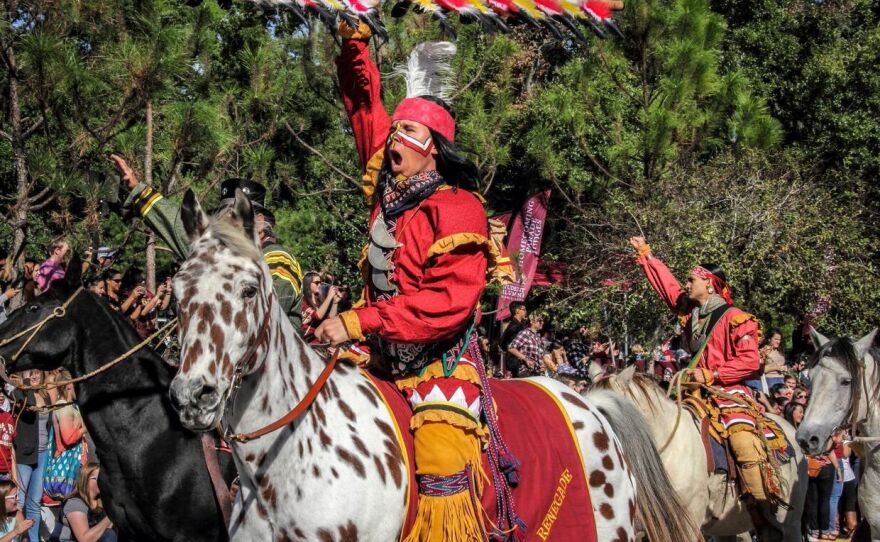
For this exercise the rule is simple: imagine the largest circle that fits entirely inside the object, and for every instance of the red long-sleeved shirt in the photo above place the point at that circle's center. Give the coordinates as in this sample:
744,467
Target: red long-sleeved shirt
440,269
732,349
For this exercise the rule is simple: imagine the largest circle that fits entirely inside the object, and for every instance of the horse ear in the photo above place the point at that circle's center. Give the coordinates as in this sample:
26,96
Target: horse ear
625,377
819,340
243,211
195,221
864,344
73,274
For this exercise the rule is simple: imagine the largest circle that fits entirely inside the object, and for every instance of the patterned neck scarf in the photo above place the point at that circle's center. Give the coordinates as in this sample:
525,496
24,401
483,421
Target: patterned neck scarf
400,196
700,320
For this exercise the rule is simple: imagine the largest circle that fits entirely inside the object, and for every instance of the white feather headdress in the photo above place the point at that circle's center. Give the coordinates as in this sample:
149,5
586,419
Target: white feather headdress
429,70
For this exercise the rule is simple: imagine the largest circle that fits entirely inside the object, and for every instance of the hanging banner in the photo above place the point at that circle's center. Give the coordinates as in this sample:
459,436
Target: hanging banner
524,247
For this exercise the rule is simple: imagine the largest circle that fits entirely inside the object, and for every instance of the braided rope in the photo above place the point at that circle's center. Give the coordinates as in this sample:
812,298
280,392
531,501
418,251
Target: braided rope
503,465
166,330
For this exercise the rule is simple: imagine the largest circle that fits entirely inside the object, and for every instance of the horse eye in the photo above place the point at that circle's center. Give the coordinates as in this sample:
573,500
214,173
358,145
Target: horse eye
33,308
249,291
846,382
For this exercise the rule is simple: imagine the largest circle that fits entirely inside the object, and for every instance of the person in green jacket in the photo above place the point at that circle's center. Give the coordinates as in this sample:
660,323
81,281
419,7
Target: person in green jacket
163,217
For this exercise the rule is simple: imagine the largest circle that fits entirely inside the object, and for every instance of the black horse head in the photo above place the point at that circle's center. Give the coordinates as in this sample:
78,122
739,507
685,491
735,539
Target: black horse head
51,345
154,483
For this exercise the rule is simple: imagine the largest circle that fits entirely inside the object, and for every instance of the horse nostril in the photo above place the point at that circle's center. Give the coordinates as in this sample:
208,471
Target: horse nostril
205,394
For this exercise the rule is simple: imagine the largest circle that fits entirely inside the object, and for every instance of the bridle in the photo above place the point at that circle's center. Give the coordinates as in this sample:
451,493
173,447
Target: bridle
60,312
244,363
855,405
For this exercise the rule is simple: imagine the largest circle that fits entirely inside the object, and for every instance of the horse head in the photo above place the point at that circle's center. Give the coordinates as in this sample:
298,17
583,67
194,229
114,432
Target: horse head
225,301
840,389
41,334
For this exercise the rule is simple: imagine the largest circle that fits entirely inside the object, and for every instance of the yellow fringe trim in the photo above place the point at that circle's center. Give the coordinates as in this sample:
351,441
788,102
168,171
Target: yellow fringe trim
457,518
499,269
370,179
642,252
740,319
435,370
352,325
452,242
362,32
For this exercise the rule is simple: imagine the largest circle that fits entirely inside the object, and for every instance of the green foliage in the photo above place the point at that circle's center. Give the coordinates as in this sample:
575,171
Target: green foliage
740,132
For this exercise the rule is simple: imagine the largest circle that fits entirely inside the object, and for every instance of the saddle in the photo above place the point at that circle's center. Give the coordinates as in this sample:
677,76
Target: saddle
552,494
719,457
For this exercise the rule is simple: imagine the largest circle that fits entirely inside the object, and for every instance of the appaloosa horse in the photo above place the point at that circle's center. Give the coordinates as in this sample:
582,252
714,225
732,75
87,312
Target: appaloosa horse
337,472
845,390
154,483
709,498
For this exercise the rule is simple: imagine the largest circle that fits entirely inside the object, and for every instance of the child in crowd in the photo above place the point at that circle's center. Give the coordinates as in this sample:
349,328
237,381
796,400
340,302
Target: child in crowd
12,523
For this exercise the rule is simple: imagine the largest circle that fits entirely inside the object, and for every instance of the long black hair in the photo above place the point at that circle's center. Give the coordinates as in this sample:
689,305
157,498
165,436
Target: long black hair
452,164
716,270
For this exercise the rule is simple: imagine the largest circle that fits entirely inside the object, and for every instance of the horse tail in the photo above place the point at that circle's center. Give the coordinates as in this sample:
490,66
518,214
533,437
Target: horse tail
658,506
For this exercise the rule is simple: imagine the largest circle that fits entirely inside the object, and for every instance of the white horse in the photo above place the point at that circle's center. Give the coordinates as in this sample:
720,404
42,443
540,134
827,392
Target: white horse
338,472
845,376
710,499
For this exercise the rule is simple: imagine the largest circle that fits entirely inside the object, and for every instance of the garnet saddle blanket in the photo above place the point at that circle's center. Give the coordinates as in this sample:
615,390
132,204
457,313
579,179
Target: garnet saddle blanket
552,495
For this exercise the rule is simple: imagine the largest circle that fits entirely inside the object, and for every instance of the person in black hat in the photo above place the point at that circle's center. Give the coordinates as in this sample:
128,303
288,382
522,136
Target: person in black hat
163,217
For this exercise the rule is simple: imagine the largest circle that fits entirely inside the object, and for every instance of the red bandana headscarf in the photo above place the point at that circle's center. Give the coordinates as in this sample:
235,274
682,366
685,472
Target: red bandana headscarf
719,285
432,115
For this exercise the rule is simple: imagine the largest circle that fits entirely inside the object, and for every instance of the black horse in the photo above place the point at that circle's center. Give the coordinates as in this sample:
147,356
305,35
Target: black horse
154,482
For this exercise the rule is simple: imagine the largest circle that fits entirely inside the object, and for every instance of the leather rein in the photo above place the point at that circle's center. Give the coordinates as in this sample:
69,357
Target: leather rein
301,407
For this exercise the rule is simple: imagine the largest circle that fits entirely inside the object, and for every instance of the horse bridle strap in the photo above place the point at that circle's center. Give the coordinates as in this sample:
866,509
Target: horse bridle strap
297,410
57,312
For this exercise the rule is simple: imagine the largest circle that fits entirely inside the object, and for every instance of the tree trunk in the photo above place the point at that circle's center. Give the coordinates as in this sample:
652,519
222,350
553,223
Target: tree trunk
19,165
148,178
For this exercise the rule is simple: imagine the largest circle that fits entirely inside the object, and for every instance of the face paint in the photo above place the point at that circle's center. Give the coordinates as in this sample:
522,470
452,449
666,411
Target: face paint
422,147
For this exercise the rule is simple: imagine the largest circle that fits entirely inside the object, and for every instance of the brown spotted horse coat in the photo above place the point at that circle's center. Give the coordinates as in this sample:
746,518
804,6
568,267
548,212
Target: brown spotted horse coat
337,472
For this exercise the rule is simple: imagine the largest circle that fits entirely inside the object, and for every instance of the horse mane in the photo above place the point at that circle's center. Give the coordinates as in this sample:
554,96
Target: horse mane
645,384
843,350
230,233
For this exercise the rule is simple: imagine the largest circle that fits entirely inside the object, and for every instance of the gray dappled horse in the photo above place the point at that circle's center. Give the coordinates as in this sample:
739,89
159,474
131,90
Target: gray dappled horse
845,376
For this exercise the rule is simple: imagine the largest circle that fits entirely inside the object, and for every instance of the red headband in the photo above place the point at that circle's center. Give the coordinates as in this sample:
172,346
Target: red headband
719,285
428,113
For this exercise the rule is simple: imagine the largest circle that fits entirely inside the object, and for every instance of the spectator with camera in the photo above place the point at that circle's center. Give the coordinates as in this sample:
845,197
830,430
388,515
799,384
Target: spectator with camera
320,301
140,304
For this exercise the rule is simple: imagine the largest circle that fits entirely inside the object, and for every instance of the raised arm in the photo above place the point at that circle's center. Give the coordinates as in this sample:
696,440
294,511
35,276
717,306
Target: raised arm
160,215
360,84
659,276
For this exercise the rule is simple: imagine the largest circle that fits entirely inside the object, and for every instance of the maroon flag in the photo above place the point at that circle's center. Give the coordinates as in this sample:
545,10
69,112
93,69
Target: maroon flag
550,273
524,247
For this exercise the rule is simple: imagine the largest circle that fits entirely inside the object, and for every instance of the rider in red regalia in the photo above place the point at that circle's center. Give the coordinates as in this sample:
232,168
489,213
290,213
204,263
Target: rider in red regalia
724,343
425,268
